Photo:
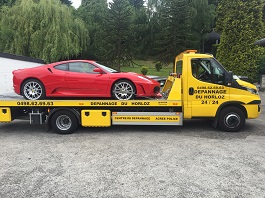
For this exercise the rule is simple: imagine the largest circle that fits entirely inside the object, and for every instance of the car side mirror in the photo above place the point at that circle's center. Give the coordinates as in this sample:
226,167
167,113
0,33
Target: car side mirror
97,70
229,78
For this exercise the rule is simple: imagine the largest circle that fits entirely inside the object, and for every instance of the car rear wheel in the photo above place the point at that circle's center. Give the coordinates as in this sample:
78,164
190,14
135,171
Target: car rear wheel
33,89
123,90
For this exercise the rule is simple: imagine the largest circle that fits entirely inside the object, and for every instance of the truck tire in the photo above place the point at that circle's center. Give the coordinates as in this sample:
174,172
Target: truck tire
231,119
64,122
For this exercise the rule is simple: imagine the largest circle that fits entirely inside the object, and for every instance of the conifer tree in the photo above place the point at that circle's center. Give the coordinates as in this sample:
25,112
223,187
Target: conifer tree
240,23
203,15
118,37
174,29
93,13
137,3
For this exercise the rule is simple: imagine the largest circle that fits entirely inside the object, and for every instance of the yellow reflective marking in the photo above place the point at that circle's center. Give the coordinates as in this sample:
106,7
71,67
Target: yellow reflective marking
146,118
91,103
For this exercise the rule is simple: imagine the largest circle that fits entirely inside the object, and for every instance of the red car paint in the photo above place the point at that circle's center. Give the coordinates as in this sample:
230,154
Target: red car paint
65,83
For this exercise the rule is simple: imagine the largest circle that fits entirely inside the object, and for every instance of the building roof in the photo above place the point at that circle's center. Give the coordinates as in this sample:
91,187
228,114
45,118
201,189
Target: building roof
22,58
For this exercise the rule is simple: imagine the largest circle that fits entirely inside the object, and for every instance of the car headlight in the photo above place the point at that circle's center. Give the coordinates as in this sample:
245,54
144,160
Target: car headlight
143,78
253,91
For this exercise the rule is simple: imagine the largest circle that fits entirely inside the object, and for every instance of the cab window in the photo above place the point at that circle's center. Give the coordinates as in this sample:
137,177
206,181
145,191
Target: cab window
208,70
179,67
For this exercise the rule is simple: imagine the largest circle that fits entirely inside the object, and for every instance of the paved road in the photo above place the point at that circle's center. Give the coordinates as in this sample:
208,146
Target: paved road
194,160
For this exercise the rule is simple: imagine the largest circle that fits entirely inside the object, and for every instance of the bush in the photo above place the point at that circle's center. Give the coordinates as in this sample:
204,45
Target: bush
158,66
262,65
144,70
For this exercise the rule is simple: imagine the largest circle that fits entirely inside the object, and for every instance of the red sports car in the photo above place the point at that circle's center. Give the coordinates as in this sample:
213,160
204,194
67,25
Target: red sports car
81,78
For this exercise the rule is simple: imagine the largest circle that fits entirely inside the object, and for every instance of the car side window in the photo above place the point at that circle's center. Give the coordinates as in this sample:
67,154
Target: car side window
82,67
76,67
89,68
62,67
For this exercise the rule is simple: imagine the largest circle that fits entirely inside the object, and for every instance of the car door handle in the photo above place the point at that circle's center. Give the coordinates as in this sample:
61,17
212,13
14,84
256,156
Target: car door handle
191,91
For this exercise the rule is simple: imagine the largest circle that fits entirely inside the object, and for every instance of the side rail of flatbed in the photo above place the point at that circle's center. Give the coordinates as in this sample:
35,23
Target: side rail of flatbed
64,116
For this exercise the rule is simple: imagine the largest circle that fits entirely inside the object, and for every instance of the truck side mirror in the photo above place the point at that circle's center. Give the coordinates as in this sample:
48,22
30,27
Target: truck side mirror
229,78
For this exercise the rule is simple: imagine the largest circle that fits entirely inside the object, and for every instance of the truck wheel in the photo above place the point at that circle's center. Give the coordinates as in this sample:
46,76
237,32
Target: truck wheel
64,122
231,119
33,89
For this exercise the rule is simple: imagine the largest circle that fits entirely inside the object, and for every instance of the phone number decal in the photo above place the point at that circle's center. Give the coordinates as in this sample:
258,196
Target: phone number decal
35,103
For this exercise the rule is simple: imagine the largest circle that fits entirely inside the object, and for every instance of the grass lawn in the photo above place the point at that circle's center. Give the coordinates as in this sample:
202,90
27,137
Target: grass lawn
150,65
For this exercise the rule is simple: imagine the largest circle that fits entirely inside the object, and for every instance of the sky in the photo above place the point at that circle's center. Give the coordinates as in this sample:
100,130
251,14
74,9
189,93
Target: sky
77,3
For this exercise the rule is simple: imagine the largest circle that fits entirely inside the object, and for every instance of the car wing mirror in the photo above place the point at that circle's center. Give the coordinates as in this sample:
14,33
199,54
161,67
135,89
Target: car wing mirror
97,70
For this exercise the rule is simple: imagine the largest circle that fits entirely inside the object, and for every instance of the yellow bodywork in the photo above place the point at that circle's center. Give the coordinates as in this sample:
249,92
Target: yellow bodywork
206,98
5,114
95,118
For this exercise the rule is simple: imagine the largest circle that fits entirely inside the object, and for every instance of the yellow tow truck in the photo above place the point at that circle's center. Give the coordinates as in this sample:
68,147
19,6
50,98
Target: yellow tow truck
199,87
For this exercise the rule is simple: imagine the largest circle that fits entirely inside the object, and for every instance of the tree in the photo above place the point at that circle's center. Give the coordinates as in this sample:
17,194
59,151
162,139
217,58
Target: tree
262,65
137,3
6,3
118,37
203,16
240,22
152,27
66,2
175,29
93,13
213,2
45,29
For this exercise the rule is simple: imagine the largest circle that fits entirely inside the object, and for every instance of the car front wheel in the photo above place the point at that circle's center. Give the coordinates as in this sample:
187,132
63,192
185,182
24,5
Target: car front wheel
123,90
33,89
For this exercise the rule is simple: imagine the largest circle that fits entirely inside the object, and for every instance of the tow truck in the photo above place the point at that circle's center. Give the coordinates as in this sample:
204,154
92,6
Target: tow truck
199,87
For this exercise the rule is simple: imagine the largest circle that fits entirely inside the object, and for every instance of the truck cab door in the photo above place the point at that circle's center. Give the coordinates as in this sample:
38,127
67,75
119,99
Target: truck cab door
206,86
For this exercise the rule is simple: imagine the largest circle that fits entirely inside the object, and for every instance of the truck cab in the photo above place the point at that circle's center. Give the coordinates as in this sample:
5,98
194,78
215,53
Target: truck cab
208,90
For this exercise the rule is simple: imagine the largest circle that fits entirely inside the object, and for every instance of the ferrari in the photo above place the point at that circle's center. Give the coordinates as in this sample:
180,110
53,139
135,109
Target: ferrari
81,78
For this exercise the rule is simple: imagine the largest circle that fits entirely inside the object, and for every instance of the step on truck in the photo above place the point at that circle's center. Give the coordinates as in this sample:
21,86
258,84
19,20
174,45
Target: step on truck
199,87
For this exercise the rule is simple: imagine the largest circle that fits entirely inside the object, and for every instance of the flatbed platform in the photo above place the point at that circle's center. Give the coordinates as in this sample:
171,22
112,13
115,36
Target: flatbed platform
13,100
89,103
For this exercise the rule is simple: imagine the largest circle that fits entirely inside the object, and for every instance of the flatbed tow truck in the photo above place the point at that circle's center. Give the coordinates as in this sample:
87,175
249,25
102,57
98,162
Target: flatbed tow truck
199,87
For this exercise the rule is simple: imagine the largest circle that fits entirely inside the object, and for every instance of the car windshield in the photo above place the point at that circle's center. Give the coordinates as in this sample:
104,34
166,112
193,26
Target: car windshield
107,68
